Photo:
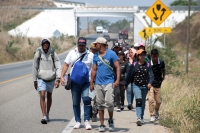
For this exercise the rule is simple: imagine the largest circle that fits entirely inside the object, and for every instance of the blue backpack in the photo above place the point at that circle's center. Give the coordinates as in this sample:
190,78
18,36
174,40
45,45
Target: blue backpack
80,73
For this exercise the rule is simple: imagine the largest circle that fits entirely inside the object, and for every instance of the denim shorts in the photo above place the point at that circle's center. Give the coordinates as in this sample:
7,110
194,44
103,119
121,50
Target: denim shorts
47,86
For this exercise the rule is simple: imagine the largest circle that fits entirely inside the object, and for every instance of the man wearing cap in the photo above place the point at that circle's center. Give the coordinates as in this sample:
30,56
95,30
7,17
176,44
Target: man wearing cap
46,75
79,91
103,62
141,76
93,48
116,48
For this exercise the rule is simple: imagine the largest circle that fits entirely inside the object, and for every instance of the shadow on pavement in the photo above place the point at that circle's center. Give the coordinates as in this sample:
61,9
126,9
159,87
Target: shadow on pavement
57,120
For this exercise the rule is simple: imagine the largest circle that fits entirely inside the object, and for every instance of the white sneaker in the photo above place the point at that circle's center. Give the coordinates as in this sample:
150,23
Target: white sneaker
138,122
87,125
142,121
152,119
77,126
118,110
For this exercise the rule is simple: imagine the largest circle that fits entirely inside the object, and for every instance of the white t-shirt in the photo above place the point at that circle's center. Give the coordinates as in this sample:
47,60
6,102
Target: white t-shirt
74,54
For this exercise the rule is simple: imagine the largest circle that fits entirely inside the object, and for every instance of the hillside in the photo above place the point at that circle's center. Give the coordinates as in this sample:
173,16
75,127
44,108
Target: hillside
20,48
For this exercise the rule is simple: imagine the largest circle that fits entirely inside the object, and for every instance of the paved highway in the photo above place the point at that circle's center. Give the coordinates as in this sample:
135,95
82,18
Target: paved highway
19,102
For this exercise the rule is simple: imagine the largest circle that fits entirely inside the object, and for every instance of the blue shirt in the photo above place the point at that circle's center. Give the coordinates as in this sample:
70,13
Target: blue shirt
104,74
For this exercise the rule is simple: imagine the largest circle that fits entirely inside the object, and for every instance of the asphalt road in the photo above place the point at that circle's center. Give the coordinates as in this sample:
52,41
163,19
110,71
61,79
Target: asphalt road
19,102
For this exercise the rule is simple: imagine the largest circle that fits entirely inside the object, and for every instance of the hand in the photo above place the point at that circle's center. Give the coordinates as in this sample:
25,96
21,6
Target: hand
149,86
62,81
91,87
35,85
116,84
57,83
125,87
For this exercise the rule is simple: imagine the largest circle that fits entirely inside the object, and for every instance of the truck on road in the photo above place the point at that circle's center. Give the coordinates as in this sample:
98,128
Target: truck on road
99,29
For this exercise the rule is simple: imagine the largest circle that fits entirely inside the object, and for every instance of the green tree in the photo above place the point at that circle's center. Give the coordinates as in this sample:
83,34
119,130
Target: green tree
183,3
99,22
119,25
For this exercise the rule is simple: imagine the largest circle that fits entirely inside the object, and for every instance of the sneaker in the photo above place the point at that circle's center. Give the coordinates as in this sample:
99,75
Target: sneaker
102,128
77,126
139,122
47,115
118,110
142,121
87,125
152,119
94,118
122,106
44,120
156,115
111,125
129,107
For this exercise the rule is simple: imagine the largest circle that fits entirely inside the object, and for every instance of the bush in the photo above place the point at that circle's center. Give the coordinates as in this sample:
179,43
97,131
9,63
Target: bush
10,49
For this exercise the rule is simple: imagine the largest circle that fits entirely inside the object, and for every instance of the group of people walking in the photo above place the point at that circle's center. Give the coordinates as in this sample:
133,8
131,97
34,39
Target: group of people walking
108,72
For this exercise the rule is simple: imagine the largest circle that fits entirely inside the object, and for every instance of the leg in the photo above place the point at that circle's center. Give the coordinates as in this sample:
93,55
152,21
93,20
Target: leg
42,102
86,101
138,98
157,98
144,95
49,101
76,99
117,97
100,100
151,101
129,94
122,94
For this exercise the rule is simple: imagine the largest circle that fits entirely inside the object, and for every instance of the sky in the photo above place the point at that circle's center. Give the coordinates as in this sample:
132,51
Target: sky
124,2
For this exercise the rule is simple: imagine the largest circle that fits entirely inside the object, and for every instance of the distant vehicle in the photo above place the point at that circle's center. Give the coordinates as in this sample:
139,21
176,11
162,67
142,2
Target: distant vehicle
105,31
99,29
107,37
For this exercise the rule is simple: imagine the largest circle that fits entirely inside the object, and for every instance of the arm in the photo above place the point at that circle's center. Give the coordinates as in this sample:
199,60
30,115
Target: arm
150,76
163,73
35,69
93,75
58,70
116,64
64,70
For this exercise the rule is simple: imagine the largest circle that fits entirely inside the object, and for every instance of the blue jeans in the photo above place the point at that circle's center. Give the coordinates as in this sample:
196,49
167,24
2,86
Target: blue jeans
79,91
140,92
130,94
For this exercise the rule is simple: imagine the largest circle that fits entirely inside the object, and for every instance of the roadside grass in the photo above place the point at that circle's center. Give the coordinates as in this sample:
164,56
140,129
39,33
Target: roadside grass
15,49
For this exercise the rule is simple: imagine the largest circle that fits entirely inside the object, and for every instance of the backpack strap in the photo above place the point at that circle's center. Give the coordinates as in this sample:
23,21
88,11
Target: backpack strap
80,57
104,62
39,58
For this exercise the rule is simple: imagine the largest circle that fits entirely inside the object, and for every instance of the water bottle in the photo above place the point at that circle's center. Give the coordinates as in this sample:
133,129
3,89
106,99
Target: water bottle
65,79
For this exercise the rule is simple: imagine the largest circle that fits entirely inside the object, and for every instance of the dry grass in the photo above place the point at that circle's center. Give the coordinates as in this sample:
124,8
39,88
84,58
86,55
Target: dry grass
181,94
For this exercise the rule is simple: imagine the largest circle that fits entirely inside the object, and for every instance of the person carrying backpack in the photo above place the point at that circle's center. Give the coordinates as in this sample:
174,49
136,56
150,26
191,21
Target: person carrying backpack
80,59
141,75
158,67
46,74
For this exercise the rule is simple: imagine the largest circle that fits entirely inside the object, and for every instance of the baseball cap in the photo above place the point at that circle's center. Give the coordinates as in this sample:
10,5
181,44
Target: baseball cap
141,51
82,41
141,44
101,40
116,45
136,45
45,40
92,46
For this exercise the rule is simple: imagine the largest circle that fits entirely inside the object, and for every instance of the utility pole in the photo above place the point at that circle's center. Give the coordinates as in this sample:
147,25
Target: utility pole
188,36
164,35
151,37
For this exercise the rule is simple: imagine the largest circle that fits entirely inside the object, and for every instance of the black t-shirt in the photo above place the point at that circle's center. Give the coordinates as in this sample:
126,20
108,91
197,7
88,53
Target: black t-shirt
157,71
140,76
124,67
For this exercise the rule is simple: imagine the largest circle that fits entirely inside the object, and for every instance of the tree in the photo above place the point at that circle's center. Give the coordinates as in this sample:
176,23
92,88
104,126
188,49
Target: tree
183,3
119,25
104,23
